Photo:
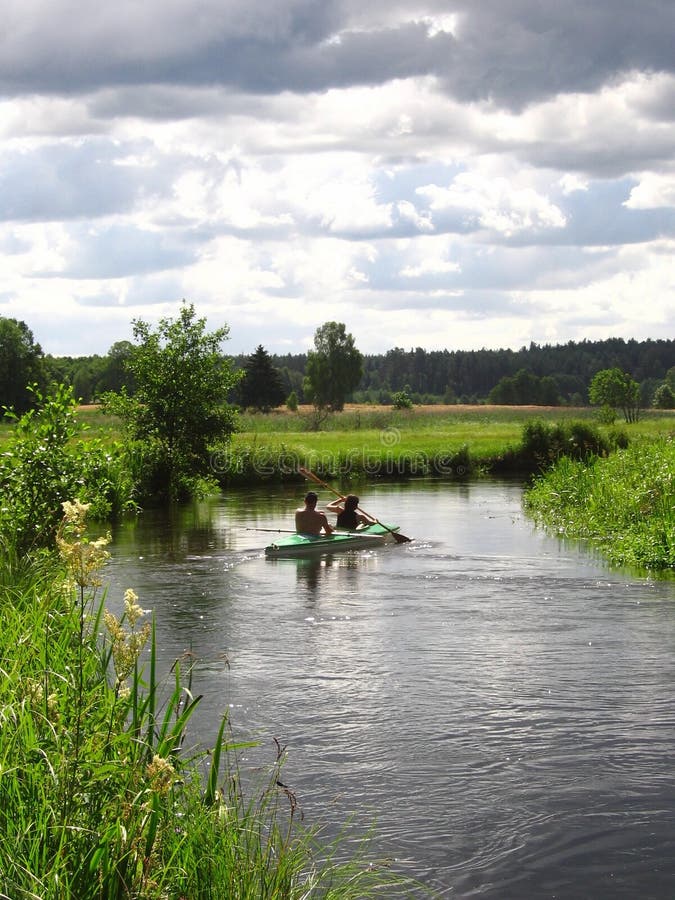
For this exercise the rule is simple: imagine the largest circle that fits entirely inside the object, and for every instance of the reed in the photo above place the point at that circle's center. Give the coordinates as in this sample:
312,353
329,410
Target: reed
623,504
100,796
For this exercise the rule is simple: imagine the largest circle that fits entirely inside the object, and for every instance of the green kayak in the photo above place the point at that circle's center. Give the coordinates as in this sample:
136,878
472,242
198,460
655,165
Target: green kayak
337,542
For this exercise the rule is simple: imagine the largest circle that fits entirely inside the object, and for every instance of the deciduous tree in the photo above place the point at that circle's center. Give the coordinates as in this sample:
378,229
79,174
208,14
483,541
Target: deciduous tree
179,409
21,365
616,389
334,368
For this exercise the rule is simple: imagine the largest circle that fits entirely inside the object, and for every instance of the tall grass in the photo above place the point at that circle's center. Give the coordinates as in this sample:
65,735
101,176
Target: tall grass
99,796
624,504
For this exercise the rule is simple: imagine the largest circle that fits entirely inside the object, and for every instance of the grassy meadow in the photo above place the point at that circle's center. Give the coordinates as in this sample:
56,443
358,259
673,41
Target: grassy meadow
364,441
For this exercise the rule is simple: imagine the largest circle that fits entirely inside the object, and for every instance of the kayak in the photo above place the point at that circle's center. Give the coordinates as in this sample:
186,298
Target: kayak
309,544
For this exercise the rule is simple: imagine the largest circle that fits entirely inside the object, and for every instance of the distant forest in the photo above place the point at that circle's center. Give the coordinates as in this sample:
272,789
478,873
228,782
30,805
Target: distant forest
539,374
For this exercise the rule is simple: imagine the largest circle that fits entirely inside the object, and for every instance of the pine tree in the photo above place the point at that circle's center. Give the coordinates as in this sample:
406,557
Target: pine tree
261,386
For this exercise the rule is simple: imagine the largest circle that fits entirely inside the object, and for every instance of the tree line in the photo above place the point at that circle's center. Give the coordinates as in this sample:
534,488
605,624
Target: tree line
548,374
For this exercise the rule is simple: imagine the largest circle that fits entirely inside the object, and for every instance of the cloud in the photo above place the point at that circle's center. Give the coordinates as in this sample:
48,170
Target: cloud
431,172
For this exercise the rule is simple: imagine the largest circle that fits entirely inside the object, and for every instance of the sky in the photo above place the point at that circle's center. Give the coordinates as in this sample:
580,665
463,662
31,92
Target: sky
445,174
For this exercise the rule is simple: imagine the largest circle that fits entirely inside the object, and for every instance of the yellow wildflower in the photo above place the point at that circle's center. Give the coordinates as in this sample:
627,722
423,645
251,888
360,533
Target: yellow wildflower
161,774
132,609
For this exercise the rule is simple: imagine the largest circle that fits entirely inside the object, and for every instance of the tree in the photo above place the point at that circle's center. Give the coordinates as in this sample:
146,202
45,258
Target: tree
334,368
523,389
616,389
21,365
115,373
664,397
179,409
261,385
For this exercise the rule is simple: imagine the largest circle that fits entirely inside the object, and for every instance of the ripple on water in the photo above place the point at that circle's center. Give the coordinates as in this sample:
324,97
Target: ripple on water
499,705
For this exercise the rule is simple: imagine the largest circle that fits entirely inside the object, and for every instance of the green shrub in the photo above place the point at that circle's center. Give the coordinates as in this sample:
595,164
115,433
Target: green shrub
45,463
401,400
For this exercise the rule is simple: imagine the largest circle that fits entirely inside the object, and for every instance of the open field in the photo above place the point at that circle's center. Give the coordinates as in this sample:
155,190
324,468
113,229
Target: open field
457,419
365,438
380,441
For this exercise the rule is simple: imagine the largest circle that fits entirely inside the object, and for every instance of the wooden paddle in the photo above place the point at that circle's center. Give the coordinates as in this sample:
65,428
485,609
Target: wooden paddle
399,538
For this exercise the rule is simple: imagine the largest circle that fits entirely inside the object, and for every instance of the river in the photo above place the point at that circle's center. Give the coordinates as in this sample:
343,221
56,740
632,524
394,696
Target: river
499,702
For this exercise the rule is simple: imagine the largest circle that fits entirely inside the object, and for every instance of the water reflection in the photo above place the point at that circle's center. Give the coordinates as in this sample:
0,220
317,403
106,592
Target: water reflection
340,570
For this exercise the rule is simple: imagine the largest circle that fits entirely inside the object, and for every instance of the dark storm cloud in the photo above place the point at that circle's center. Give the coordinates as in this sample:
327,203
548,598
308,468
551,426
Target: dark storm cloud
518,51
509,51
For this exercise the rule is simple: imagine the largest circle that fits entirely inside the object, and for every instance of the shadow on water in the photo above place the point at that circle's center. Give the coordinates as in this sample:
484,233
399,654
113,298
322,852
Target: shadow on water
498,701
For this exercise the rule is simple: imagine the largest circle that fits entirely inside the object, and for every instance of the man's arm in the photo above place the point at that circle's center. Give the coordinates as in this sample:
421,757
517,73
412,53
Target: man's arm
324,522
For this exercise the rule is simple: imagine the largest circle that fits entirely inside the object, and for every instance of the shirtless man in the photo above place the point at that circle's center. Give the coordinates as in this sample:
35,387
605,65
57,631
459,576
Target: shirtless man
308,520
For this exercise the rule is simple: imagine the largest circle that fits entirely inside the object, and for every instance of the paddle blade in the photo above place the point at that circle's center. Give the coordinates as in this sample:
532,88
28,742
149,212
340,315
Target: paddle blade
401,538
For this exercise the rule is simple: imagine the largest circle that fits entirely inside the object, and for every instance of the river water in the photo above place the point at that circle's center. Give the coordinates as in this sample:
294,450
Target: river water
498,702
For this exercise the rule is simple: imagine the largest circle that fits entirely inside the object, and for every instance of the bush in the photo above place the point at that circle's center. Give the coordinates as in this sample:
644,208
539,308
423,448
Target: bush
664,397
44,464
543,443
401,400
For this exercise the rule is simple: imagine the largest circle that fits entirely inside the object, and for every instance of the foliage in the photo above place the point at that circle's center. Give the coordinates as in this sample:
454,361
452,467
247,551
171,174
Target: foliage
563,372
333,369
21,365
524,388
261,387
664,397
292,402
622,504
468,376
612,387
92,376
544,442
97,797
179,410
401,400
44,463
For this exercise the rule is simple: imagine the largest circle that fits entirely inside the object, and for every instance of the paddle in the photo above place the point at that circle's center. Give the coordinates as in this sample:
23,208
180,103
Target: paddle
399,538
275,530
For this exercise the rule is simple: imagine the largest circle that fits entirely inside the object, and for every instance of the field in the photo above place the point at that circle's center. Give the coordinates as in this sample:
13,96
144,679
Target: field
370,439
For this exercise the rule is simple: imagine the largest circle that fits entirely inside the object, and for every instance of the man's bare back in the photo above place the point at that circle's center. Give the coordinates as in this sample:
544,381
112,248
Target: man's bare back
308,520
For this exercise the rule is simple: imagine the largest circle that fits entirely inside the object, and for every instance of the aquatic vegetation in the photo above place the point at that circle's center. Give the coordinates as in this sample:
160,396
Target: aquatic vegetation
623,504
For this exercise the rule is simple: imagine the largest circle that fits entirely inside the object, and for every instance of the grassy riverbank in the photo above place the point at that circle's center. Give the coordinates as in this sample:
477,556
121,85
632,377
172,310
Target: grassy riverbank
100,795
623,504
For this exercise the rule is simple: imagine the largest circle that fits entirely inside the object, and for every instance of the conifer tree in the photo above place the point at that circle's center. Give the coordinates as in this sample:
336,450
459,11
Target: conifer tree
261,386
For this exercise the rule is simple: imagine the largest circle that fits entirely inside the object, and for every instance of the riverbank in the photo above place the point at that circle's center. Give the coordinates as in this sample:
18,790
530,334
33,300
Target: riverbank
623,504
100,795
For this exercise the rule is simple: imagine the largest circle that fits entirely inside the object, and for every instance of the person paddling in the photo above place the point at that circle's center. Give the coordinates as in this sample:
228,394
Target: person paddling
349,517
309,520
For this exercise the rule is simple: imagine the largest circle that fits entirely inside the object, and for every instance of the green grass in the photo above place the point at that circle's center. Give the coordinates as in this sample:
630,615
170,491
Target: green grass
449,441
623,504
